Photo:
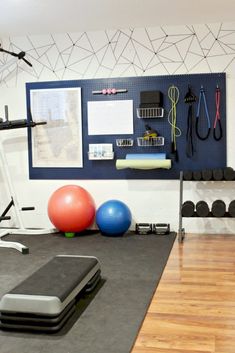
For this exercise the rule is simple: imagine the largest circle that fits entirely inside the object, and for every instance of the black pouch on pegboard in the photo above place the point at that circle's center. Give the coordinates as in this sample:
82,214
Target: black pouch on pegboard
151,99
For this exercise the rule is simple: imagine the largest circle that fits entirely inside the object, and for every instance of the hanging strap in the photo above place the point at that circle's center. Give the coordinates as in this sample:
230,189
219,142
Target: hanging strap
217,136
189,134
202,100
190,99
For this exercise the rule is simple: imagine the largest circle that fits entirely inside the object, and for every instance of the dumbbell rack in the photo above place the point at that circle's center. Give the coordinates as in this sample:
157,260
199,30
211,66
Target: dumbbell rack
181,230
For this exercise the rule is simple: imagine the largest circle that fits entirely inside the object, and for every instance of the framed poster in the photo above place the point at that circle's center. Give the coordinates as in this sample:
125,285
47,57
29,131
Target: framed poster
58,143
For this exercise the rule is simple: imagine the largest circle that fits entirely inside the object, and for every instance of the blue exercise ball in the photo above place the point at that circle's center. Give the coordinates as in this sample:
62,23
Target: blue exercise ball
113,218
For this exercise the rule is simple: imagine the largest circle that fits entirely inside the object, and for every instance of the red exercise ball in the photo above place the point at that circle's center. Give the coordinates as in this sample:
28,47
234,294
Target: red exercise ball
71,209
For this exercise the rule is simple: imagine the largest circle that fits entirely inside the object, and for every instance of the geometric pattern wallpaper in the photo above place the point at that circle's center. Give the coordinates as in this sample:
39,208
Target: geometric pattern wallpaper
123,52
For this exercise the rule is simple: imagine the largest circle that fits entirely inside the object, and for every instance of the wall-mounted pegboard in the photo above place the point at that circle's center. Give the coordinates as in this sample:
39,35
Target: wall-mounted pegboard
208,153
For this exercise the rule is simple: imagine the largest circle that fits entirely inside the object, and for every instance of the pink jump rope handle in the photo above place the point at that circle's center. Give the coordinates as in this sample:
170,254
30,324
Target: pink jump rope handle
109,91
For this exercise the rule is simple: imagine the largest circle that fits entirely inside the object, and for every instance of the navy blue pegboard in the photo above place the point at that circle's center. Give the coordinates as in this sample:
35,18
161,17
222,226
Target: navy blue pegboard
208,154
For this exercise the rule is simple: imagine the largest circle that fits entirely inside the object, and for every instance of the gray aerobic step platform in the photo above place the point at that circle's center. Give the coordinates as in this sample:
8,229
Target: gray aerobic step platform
45,300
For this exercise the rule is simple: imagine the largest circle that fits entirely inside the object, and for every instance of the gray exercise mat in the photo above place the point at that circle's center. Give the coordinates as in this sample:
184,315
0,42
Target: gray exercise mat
131,267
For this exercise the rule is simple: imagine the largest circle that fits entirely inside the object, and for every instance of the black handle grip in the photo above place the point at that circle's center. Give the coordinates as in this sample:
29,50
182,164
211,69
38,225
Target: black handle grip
4,218
27,208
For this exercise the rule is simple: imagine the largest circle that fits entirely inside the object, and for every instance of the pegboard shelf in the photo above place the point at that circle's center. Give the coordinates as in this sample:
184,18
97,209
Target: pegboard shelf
149,113
150,142
124,142
100,156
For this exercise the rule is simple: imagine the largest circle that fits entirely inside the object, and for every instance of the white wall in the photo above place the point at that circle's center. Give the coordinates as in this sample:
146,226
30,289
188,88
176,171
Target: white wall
128,52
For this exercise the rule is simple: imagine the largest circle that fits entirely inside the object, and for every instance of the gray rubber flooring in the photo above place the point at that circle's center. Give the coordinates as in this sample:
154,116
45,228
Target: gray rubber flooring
131,267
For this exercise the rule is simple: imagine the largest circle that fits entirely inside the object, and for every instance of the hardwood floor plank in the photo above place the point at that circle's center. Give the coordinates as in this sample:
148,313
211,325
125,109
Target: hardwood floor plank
224,343
193,308
165,350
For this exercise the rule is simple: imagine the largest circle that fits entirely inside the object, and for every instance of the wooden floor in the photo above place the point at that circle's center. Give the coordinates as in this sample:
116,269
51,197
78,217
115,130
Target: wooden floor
193,309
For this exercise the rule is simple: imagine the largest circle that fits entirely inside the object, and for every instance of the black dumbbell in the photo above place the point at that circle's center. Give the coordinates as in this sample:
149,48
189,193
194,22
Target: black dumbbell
197,175
207,174
229,173
188,208
202,209
218,174
188,174
231,208
218,208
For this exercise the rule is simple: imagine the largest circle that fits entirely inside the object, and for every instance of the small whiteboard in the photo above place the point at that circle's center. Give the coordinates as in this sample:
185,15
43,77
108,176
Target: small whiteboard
110,117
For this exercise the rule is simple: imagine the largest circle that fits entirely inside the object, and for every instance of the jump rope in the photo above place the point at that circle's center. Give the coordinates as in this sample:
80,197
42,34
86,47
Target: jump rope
173,95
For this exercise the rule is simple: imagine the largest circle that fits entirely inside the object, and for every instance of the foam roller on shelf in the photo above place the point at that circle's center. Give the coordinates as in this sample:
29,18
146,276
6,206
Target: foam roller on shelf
143,164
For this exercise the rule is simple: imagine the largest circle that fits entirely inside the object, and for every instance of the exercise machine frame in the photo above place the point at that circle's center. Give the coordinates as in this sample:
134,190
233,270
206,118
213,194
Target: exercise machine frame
21,229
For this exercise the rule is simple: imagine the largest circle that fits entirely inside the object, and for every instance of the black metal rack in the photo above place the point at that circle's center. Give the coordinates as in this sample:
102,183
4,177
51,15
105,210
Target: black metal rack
181,230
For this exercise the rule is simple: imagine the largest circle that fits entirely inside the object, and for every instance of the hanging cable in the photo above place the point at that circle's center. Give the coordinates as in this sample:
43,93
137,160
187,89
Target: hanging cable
189,99
202,96
217,136
173,95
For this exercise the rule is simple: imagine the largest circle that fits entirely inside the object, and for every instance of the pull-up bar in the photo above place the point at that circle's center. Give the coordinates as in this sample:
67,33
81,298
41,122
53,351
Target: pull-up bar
17,124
